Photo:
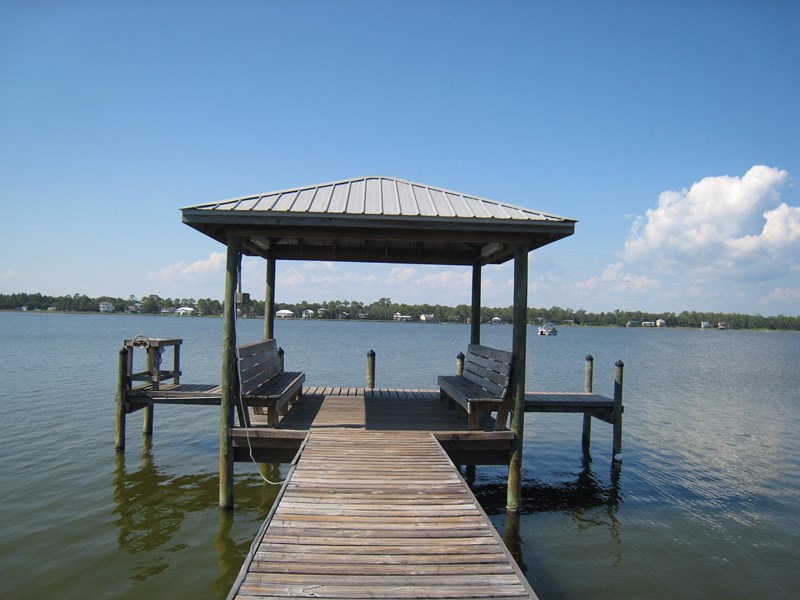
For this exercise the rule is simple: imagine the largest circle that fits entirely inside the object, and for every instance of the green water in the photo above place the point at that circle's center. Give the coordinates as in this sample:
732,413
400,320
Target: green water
704,506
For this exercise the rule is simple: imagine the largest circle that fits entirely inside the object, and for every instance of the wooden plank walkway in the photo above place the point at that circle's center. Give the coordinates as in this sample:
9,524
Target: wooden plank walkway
377,514
373,410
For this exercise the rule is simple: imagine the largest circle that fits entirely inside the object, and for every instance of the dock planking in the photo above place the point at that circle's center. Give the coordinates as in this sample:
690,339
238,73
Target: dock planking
378,514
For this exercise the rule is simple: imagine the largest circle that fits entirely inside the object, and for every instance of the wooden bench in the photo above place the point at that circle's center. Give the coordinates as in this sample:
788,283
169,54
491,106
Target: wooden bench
485,385
263,382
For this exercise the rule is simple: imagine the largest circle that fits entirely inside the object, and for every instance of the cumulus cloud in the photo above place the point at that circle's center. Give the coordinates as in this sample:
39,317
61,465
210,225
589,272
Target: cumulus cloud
401,275
781,295
734,227
614,280
182,270
323,276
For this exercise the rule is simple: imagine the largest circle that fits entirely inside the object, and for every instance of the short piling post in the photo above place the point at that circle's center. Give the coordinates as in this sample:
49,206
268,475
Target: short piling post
371,370
154,368
460,363
588,378
618,411
280,358
122,399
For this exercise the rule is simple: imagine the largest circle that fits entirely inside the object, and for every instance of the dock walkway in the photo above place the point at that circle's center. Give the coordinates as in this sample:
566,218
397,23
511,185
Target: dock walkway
377,514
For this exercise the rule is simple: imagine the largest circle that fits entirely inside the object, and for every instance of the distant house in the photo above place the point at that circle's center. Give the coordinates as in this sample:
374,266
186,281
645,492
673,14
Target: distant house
321,312
106,307
399,317
705,325
661,323
427,318
632,323
284,314
648,323
496,320
307,314
185,311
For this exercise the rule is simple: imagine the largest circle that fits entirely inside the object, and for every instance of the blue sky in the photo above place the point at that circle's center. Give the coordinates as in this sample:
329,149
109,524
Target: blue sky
669,130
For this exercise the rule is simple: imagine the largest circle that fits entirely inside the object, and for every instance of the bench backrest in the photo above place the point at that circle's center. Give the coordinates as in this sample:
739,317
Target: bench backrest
258,362
490,369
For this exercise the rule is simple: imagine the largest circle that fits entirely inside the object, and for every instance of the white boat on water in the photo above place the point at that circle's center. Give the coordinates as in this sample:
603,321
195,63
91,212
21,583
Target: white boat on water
548,329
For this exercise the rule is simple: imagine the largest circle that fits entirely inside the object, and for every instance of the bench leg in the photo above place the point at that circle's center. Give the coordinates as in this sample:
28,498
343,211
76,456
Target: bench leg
501,419
473,418
272,414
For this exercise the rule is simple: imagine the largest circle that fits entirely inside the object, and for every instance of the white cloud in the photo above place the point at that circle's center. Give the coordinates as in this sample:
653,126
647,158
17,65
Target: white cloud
783,296
614,280
187,271
401,275
725,226
7,275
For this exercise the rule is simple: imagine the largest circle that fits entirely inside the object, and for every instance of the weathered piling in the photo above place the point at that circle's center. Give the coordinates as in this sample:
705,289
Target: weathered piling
588,378
460,363
371,369
514,491
122,393
154,369
269,299
229,385
618,411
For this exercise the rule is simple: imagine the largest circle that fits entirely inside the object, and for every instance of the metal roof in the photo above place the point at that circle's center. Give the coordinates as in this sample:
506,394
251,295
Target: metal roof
377,219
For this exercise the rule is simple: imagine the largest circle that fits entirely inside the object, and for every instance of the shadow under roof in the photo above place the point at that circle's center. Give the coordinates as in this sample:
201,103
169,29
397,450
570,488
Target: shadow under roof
377,219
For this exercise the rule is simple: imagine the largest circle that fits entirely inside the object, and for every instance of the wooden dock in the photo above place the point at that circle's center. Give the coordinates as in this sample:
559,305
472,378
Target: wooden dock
377,514
373,505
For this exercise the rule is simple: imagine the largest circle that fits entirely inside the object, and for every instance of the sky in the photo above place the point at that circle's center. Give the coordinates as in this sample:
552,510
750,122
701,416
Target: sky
669,130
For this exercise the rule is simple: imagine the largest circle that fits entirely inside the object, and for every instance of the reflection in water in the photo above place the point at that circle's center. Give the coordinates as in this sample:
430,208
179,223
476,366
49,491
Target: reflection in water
513,540
580,499
151,506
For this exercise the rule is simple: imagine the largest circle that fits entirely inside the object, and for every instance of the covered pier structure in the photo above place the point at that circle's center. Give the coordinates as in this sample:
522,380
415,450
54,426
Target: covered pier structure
374,220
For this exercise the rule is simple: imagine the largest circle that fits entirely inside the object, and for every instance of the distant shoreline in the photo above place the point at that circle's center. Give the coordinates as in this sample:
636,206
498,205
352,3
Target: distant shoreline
399,323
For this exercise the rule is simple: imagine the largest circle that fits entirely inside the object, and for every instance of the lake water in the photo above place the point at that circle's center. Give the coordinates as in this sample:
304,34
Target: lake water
705,505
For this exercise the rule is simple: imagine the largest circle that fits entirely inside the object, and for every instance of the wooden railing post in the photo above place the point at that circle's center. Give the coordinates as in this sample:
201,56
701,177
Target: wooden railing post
588,377
281,359
371,369
617,451
122,399
460,363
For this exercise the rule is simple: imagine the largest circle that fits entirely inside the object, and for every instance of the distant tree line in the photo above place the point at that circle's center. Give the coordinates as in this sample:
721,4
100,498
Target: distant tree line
384,309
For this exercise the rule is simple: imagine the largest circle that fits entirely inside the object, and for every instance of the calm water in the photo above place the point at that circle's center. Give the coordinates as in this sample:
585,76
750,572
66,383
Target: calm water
706,504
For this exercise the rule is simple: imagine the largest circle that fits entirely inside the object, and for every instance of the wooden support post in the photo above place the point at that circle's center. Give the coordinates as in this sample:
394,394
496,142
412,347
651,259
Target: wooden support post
281,359
460,363
269,300
229,386
588,378
371,370
122,399
154,368
519,349
617,451
475,309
